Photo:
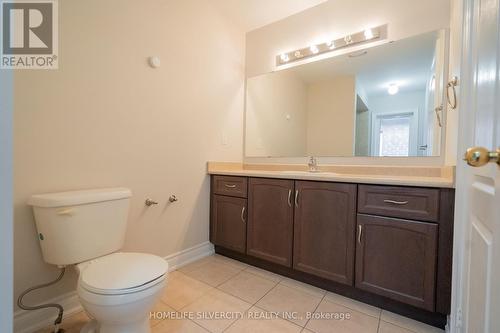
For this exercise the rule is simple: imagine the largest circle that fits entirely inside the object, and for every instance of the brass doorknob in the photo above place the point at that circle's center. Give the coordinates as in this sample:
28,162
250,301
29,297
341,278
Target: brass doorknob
479,156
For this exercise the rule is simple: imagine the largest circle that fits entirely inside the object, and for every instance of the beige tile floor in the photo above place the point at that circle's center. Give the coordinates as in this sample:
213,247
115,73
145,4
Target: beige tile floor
249,299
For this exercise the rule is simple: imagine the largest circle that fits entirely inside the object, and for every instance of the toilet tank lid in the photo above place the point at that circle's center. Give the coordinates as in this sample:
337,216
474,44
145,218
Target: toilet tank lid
70,198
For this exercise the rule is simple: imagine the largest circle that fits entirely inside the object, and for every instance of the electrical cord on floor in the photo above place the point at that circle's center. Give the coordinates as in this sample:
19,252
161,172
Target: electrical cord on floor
59,318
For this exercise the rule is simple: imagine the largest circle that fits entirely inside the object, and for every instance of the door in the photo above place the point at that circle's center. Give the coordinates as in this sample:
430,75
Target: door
397,259
270,220
324,230
476,297
228,225
395,133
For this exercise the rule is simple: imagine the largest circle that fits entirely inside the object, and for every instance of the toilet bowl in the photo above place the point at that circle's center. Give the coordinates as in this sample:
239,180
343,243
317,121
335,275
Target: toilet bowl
119,290
86,228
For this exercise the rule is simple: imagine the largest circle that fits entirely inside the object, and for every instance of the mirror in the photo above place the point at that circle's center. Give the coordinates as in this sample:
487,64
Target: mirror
380,101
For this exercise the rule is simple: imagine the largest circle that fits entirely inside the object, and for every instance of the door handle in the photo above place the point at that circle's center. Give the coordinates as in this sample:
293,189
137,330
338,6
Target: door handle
360,231
479,156
290,197
243,214
296,198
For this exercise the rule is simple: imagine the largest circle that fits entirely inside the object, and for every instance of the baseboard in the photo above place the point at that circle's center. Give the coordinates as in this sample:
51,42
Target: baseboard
31,321
184,257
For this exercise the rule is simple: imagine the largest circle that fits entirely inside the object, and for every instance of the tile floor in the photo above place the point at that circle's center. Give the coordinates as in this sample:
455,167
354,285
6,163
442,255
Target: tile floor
249,299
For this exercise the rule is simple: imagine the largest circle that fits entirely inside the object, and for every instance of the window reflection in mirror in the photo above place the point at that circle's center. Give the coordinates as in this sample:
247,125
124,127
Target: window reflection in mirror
377,102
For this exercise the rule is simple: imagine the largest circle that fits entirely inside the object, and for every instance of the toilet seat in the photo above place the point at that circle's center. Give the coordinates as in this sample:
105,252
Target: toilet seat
122,273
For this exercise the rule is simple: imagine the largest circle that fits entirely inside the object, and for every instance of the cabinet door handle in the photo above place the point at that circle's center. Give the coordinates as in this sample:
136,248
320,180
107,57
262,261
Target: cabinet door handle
230,185
296,198
243,214
360,231
396,202
290,197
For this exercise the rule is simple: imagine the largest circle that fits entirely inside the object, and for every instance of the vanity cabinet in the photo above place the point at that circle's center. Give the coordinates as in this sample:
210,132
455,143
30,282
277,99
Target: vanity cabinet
229,222
397,258
324,230
228,213
270,220
388,246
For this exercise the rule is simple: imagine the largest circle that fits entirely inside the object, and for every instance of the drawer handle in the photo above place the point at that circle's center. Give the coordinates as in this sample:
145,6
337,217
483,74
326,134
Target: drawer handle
290,197
396,202
230,185
243,214
360,231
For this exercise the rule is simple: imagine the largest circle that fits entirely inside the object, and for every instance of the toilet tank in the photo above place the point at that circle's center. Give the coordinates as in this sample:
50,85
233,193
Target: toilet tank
77,226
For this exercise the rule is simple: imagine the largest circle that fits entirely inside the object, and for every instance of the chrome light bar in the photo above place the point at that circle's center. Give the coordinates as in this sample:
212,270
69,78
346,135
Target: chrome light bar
365,36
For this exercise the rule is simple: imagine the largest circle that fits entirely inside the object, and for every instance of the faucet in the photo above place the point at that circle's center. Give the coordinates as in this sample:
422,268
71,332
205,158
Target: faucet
313,164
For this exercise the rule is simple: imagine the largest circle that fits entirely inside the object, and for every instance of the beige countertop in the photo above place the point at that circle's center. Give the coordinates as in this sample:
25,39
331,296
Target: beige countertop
364,174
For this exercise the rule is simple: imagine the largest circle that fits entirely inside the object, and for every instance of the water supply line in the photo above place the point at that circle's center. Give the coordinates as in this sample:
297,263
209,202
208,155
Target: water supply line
59,318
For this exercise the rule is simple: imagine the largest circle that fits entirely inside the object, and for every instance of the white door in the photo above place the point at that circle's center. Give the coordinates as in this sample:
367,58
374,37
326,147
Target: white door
476,303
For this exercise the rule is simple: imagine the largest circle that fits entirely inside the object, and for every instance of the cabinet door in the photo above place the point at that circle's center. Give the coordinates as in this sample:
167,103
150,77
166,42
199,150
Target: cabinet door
397,259
324,230
270,220
228,223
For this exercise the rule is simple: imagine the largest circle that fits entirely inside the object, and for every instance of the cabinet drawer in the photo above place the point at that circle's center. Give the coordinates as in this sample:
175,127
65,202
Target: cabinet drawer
230,185
411,203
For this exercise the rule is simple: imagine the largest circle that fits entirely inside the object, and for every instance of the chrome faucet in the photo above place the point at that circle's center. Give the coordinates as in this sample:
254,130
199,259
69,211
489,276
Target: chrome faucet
313,164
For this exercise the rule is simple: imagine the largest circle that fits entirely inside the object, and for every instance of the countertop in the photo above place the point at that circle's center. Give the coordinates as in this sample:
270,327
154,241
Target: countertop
442,177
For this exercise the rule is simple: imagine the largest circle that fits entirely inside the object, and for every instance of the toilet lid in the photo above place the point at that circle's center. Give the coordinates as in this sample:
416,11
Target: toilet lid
119,272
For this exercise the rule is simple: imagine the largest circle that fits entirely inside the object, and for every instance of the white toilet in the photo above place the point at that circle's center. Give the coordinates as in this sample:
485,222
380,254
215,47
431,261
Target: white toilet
86,228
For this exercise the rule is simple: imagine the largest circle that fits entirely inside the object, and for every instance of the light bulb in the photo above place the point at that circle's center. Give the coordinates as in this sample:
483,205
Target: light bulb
393,89
314,49
368,34
284,57
330,44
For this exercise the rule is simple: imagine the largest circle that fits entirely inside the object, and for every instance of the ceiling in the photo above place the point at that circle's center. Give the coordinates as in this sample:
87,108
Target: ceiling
253,14
407,62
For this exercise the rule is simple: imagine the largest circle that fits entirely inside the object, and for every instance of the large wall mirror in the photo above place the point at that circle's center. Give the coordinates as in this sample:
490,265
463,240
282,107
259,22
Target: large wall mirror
382,101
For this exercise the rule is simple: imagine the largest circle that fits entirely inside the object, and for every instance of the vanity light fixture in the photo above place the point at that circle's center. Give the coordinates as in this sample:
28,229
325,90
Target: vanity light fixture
393,89
315,49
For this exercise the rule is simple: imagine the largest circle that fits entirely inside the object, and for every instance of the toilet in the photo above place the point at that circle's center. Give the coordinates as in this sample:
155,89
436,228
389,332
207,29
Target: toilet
87,229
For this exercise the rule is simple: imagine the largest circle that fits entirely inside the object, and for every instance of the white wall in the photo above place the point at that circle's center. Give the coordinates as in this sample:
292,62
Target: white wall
105,118
6,234
276,115
454,70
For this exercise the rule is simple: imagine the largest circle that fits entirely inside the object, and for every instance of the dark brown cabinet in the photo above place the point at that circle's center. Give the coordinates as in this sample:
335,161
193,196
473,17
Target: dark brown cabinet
397,259
388,246
324,230
228,226
270,220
